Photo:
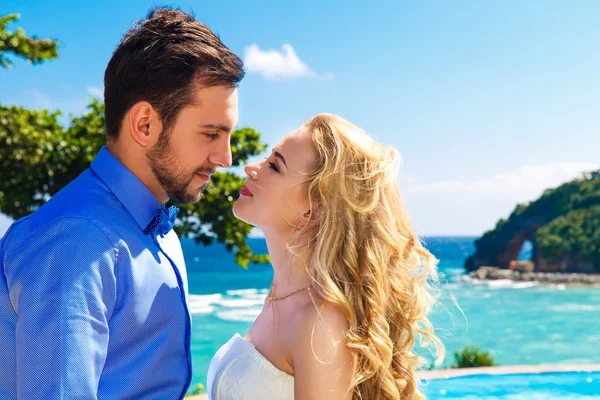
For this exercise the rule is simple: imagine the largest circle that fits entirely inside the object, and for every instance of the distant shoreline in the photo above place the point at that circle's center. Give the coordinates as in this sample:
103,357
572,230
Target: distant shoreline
551,278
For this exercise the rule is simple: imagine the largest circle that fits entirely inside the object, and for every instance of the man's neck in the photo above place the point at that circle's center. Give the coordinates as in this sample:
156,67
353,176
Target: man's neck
136,162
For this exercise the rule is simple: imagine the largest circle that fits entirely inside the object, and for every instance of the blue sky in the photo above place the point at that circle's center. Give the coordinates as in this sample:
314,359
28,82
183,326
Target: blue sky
488,102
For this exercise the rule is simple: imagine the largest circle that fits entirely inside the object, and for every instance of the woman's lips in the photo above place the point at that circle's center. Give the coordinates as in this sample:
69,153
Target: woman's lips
246,192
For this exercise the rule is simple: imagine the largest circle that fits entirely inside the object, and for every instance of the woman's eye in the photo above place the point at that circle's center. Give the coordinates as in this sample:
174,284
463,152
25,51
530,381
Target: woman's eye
273,166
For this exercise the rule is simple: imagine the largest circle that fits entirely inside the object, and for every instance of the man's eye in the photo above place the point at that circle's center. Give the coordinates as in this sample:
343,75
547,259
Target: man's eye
212,136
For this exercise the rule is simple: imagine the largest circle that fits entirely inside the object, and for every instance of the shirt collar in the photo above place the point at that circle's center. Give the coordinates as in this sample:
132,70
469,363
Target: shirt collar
137,199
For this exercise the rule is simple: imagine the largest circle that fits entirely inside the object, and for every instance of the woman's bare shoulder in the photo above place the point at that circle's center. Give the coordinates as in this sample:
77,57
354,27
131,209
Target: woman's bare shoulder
322,363
318,326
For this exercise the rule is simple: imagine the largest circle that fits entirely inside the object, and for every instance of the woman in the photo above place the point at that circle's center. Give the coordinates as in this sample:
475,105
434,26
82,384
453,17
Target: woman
350,295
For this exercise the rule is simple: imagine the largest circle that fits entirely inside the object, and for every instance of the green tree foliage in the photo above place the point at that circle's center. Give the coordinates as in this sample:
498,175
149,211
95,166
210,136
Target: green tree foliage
471,357
19,44
576,234
565,222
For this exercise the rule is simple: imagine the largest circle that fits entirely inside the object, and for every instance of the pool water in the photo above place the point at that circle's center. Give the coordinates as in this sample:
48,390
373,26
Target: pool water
542,386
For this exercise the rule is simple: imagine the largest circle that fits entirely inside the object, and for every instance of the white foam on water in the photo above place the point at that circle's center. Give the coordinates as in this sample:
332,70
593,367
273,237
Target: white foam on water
235,305
575,307
202,304
200,310
247,292
242,303
524,285
242,315
510,284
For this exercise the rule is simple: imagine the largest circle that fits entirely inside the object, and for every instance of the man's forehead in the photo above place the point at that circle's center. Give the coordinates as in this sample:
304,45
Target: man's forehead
225,126
215,118
216,97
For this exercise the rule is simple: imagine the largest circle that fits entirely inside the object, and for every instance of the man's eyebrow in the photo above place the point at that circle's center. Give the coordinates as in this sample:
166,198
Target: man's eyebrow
217,127
280,156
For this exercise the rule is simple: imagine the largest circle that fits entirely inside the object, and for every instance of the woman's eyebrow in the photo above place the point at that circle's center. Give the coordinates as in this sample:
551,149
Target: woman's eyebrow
280,156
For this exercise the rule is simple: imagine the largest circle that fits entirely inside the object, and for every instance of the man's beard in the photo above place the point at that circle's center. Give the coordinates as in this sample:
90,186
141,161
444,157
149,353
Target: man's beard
175,183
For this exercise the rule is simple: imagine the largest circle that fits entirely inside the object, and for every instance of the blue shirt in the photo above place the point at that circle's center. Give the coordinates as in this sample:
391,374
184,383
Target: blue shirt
90,306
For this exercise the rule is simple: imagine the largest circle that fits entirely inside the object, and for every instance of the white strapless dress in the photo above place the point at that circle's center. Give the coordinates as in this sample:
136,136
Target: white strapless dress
239,372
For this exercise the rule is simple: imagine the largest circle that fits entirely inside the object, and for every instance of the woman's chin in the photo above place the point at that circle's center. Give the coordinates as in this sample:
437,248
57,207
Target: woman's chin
241,213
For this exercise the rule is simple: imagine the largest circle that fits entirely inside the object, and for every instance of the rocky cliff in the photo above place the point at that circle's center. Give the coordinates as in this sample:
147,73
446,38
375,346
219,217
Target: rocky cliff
563,225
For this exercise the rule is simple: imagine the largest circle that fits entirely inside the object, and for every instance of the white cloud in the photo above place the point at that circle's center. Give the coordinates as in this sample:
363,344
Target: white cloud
274,64
521,184
96,92
471,207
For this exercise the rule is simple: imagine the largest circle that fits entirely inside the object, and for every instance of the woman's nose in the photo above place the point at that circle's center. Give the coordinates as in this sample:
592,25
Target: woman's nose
252,170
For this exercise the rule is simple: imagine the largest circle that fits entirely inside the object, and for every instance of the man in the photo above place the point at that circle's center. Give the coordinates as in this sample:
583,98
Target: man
93,286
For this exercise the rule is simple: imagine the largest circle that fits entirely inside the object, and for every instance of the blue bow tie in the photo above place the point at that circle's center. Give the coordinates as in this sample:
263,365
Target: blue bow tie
163,221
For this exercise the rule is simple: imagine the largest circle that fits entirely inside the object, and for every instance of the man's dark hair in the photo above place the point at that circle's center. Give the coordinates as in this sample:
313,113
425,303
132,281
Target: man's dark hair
160,60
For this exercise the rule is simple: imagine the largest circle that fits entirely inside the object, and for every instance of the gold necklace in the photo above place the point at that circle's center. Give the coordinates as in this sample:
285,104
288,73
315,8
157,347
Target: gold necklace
287,295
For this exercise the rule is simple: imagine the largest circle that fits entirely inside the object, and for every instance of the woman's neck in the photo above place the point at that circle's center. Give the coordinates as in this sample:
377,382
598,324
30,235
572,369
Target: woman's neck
289,265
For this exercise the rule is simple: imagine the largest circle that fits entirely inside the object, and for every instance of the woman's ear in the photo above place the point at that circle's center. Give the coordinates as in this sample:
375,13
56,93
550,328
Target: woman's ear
314,213
309,217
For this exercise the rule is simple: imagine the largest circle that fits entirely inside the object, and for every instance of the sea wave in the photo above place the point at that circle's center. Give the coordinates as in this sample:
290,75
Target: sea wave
202,304
247,292
500,283
508,284
245,304
239,315
241,303
234,305
570,307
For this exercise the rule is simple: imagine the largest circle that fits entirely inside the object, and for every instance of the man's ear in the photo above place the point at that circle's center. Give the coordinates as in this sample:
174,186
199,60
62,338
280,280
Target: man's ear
144,123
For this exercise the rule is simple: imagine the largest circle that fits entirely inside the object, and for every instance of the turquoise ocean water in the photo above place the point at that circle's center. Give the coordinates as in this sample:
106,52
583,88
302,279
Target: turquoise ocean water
519,323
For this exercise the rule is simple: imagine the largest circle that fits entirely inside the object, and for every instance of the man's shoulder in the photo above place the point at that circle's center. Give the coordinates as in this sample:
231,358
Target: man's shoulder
82,208
85,204
64,230
67,245
86,196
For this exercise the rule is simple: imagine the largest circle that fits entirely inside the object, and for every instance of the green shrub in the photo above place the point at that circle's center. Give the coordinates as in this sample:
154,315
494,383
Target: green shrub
472,356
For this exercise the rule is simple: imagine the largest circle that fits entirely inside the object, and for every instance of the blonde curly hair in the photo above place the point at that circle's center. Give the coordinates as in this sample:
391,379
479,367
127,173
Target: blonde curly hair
365,257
